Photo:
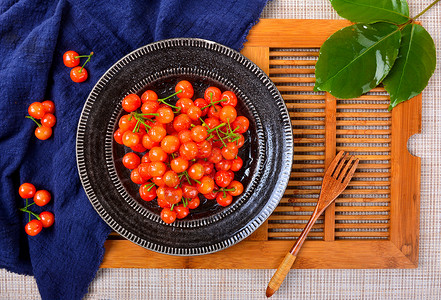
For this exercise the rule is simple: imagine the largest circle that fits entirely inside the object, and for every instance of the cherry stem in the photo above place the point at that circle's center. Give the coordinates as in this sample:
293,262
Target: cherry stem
215,102
211,102
218,134
225,190
172,106
203,123
162,99
188,177
88,59
30,212
151,185
33,119
216,128
28,205
136,129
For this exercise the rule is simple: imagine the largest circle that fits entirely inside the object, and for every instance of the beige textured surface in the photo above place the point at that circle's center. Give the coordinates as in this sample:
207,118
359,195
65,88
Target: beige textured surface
421,283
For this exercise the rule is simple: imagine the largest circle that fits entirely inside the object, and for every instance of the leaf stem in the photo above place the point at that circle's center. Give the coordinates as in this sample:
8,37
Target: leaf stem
426,9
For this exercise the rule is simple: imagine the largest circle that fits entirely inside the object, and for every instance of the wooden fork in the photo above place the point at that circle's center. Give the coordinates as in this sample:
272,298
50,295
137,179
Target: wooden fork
336,179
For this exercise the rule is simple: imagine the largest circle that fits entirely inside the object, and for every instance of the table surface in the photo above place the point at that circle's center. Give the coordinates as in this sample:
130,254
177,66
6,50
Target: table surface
421,283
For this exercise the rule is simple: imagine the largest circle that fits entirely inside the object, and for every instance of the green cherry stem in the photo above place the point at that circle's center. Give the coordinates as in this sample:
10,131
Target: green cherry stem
216,128
188,177
162,99
33,119
136,129
29,215
150,186
215,102
217,131
88,59
30,212
28,205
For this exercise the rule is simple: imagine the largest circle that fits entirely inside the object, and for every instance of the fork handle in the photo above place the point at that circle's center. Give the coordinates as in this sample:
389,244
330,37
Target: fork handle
280,274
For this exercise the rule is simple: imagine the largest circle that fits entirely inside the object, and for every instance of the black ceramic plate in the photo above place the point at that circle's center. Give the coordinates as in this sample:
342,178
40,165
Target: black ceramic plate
267,152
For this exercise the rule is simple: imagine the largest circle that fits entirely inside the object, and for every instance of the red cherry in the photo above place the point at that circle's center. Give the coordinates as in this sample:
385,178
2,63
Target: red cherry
78,75
47,219
71,59
33,227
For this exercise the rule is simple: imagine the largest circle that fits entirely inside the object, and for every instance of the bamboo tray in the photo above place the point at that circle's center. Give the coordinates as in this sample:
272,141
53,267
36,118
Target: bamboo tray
374,224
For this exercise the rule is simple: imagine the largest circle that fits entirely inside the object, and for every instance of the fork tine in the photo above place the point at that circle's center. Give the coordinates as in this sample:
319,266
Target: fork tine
342,174
351,172
340,165
334,163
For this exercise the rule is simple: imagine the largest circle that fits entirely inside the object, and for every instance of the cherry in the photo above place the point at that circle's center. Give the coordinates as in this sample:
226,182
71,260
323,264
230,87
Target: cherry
131,160
212,94
170,144
48,120
186,89
42,197
47,219
43,132
230,98
181,211
49,106
179,164
224,199
194,203
149,95
168,216
147,192
34,227
199,133
228,114
71,59
184,104
235,188
241,123
131,102
236,164
27,190
36,110
206,185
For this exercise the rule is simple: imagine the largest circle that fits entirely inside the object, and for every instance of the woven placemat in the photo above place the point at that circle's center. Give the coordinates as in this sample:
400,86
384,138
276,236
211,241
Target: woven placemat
421,283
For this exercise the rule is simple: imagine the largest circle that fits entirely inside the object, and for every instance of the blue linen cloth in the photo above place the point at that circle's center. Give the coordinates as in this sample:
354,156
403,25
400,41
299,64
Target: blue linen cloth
33,37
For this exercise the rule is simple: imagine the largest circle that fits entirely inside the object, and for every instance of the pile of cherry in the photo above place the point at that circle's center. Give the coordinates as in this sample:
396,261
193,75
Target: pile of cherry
191,147
41,198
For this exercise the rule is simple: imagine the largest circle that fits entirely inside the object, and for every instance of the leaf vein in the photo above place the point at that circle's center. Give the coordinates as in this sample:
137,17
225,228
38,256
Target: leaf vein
359,56
407,58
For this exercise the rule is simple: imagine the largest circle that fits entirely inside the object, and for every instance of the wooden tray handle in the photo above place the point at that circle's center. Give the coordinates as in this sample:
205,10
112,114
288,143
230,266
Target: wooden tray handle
280,274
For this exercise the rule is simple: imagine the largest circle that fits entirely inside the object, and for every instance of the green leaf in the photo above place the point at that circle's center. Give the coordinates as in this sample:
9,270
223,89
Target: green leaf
414,66
356,58
369,11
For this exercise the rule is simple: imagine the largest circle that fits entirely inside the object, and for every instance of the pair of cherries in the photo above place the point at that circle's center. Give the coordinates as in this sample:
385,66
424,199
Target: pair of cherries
71,59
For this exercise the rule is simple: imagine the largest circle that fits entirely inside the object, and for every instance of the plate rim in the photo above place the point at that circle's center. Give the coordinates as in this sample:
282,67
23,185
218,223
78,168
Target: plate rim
287,154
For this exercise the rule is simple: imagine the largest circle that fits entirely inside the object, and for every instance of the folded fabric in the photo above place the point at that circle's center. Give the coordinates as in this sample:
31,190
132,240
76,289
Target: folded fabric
34,35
